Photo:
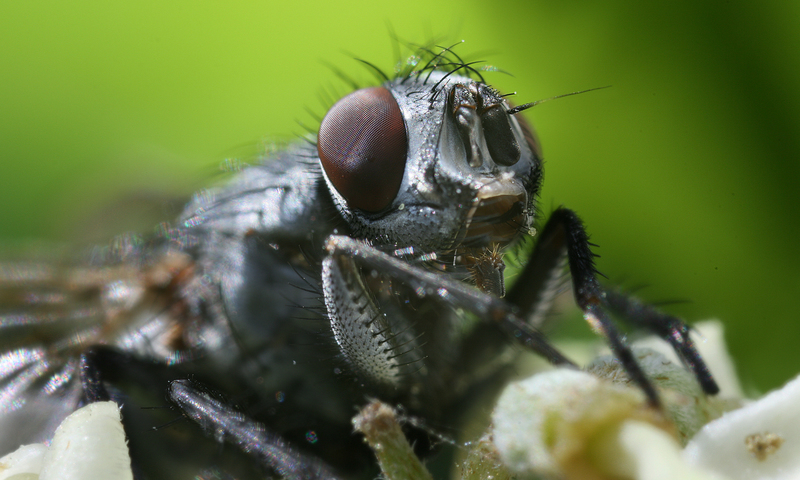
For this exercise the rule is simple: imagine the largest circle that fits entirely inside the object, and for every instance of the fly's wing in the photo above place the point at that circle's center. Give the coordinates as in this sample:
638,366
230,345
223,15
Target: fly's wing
55,306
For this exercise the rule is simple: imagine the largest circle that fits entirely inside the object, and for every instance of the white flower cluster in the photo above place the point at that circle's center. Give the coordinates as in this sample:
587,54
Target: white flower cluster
90,443
569,424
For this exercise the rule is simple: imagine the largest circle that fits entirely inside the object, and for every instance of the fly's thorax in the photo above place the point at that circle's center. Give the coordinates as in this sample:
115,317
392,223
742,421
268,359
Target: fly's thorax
457,170
280,198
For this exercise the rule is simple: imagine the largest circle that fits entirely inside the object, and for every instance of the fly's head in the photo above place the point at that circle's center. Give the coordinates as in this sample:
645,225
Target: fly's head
436,162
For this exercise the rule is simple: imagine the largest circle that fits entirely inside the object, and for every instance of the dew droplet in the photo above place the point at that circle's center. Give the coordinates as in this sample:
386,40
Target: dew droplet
311,436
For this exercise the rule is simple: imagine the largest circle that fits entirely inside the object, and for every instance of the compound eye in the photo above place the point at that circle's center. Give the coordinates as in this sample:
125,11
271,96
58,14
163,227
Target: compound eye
362,145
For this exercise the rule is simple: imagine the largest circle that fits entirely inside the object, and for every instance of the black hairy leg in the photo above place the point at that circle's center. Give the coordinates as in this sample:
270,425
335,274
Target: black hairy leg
219,420
671,329
348,253
156,403
562,239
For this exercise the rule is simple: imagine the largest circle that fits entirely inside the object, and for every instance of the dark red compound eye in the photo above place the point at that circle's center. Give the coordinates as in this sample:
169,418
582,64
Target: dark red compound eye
362,144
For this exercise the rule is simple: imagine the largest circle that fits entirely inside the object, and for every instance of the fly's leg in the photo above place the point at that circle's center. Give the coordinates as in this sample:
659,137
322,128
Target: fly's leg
671,329
378,346
565,237
97,366
101,367
355,317
226,424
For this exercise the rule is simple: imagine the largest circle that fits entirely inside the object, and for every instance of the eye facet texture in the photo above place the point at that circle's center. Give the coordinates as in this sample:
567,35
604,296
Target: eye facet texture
362,145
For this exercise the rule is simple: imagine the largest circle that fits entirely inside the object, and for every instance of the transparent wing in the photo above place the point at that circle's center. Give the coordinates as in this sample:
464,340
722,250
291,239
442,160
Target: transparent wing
55,305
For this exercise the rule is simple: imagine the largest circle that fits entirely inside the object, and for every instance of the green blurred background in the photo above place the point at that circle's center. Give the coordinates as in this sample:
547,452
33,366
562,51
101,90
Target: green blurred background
685,171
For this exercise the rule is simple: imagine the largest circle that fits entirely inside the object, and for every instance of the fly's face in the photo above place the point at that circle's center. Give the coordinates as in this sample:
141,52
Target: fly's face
436,163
